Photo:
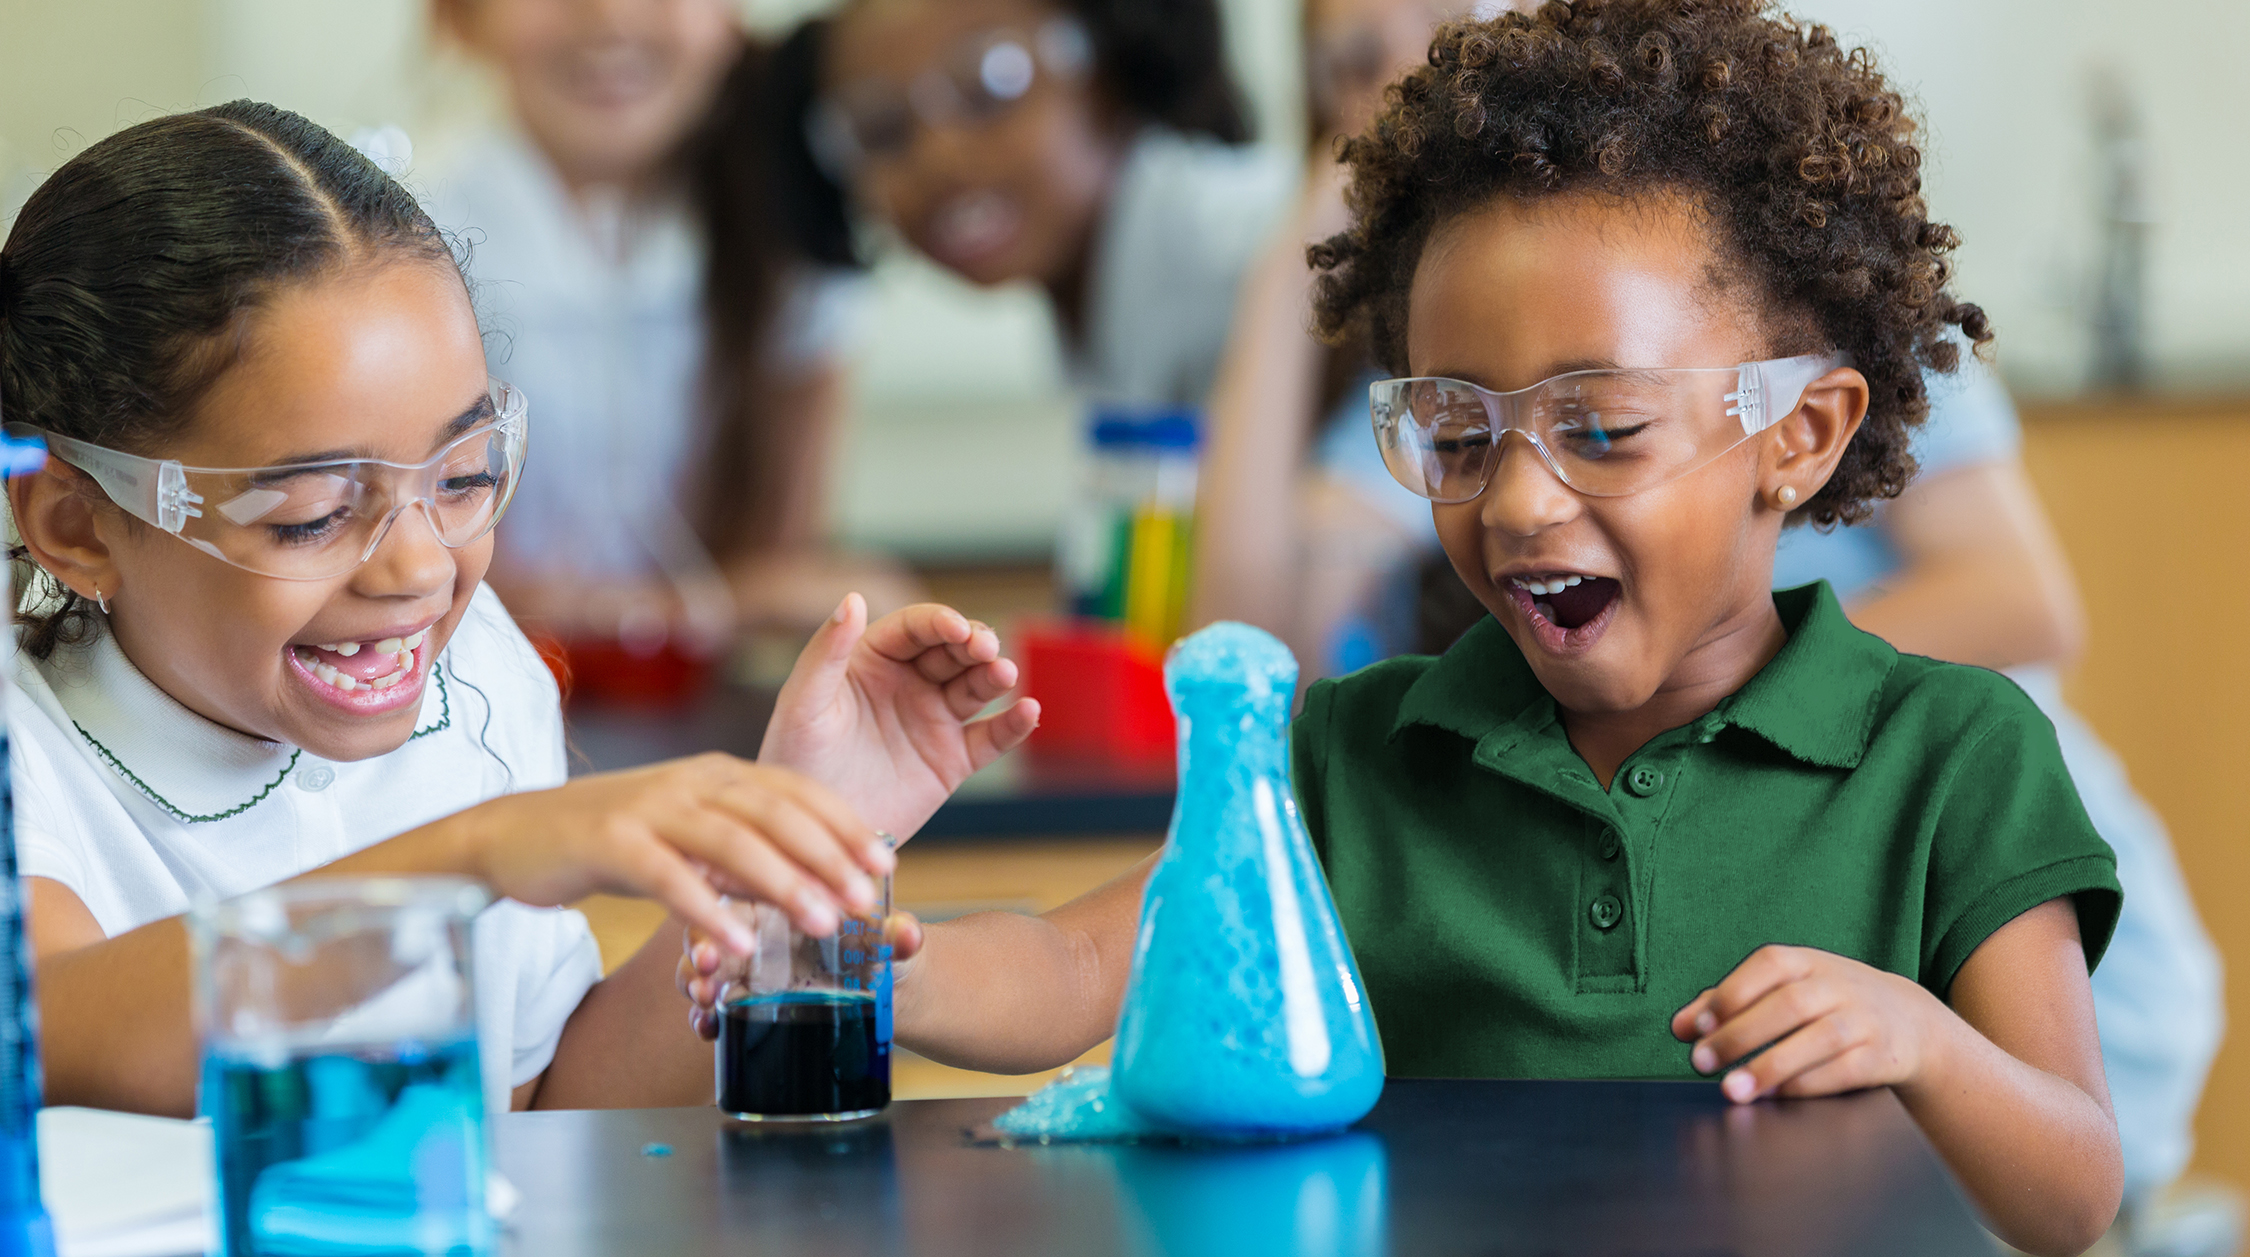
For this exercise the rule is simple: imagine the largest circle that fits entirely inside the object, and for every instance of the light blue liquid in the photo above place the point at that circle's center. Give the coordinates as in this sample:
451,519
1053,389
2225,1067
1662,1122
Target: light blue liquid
378,1152
1245,1017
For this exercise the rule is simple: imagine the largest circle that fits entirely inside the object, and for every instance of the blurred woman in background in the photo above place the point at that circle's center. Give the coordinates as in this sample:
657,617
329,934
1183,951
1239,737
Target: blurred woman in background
680,329
1092,147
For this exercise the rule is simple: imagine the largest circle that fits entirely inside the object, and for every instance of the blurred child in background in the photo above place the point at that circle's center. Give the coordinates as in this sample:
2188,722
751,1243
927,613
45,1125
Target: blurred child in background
1299,529
1092,147
679,335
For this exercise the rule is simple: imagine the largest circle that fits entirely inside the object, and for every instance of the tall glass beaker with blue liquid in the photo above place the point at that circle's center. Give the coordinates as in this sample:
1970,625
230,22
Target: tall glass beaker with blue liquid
340,1068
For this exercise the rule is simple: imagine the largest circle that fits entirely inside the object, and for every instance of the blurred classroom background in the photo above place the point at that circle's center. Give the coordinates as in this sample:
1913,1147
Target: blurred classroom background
2086,152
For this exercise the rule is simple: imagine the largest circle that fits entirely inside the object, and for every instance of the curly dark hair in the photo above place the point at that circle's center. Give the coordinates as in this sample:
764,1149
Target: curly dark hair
1804,159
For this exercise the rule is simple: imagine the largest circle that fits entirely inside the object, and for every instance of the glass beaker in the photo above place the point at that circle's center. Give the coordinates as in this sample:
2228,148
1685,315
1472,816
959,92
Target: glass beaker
805,1022
340,1067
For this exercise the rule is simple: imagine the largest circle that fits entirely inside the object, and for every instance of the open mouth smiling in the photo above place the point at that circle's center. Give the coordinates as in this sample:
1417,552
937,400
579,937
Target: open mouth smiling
1566,611
365,677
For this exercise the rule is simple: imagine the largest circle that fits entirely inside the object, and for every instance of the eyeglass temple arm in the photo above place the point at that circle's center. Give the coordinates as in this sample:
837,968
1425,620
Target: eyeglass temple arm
1770,391
152,491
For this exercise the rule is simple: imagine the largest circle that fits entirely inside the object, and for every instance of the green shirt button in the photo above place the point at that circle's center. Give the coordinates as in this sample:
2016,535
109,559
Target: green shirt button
1644,781
1609,845
1605,912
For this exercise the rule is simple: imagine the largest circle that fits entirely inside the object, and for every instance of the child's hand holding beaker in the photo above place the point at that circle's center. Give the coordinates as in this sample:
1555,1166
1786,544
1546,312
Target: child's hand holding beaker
682,833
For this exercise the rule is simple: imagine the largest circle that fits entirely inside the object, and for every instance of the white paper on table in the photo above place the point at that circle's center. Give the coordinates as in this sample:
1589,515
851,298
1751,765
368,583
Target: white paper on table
124,1185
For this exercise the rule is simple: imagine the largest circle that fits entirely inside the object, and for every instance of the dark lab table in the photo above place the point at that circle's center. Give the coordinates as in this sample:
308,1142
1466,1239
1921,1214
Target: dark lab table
1491,1169
1013,800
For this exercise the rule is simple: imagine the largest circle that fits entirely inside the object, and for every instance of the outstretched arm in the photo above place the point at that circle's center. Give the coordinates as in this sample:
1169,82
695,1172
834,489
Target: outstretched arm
2007,1082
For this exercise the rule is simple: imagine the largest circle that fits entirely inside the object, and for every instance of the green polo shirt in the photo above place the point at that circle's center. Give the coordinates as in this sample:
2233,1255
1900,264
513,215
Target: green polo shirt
1513,919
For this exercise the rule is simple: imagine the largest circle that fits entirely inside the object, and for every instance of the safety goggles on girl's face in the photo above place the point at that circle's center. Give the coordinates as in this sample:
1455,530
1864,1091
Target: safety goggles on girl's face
311,521
980,78
1605,433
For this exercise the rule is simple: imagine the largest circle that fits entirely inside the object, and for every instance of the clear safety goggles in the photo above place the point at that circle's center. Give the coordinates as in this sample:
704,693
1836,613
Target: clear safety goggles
312,521
977,80
1605,433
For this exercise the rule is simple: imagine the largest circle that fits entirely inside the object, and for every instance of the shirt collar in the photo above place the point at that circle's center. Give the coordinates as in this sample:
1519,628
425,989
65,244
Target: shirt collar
1815,700
193,768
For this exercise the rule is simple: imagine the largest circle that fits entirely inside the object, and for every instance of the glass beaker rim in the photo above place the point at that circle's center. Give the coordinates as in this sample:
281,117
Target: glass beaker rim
281,906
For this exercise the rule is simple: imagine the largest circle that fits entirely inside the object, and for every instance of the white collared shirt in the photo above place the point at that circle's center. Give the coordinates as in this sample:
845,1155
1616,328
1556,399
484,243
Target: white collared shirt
140,806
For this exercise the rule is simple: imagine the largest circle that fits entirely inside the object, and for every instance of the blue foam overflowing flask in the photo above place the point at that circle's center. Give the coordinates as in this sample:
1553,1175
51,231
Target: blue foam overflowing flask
24,1228
1245,1017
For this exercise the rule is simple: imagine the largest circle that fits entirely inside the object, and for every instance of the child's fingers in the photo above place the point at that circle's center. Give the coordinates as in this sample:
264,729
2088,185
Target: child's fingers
826,660
801,836
1850,1070
996,735
967,694
658,872
1765,969
1812,1046
864,845
903,931
906,636
748,865
1695,1019
1782,1011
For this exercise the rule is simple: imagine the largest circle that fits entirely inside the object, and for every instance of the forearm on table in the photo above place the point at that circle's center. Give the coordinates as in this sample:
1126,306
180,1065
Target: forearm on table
2035,1152
116,1028
629,1045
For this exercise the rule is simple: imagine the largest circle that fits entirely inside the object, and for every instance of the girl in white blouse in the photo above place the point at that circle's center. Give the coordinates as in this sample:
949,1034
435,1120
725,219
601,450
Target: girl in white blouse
233,329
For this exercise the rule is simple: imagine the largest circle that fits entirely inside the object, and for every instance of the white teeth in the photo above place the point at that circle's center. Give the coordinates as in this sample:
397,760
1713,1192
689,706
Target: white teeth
388,646
346,682
386,682
346,649
415,642
1541,589
405,662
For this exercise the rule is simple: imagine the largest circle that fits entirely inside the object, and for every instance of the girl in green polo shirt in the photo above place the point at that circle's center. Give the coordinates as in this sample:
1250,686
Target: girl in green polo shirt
1655,281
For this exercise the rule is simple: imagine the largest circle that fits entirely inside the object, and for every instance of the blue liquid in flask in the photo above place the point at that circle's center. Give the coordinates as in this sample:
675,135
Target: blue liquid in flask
1244,1017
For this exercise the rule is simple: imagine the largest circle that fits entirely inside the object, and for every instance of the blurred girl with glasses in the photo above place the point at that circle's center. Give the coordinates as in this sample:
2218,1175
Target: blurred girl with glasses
283,662
681,331
1092,147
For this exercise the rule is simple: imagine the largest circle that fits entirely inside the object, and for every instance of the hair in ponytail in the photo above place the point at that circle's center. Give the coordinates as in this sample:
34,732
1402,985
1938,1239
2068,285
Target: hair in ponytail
128,280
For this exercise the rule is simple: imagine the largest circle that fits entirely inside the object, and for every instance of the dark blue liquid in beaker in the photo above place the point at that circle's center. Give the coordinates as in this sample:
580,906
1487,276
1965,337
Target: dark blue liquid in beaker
804,1054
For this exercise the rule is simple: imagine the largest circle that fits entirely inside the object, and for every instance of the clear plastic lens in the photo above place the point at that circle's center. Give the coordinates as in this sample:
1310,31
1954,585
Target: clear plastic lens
1603,433
313,522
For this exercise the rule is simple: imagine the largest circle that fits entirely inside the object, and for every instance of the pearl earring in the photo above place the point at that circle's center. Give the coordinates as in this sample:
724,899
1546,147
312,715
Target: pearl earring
1786,495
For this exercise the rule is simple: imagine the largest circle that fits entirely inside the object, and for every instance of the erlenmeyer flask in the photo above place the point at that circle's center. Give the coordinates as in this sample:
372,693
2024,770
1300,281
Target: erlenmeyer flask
1244,1017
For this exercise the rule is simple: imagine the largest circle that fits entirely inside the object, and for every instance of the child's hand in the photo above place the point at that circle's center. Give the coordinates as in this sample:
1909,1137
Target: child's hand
681,833
881,713
704,970
1832,1023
